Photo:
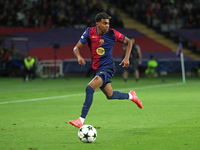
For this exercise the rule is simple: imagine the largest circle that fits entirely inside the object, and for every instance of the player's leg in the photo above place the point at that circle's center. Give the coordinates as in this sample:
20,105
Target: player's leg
29,74
125,74
135,70
95,83
33,73
136,75
26,74
110,94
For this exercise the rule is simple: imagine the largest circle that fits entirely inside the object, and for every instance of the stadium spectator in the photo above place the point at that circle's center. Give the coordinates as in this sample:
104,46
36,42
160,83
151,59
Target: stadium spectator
21,16
149,14
197,70
15,53
30,68
5,63
165,11
191,22
151,67
43,13
54,13
2,57
188,5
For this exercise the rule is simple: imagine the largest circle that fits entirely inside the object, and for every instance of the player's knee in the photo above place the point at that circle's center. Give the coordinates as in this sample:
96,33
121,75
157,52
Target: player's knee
109,96
89,89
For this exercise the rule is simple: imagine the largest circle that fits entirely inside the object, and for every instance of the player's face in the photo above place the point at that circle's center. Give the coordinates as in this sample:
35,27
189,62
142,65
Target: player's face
103,26
29,58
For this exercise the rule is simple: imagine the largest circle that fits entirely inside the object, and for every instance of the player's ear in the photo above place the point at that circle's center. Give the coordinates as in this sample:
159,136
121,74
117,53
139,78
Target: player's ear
97,23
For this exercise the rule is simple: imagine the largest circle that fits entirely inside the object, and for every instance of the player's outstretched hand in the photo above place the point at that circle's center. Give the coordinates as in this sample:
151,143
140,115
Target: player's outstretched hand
81,61
125,63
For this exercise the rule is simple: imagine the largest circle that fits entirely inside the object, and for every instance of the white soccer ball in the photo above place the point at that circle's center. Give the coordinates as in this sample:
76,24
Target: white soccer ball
87,134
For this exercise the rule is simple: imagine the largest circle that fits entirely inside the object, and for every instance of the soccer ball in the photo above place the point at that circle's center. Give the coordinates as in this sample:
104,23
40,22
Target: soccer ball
87,134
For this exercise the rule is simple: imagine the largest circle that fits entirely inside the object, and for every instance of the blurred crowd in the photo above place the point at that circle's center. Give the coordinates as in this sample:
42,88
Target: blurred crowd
166,11
10,60
53,13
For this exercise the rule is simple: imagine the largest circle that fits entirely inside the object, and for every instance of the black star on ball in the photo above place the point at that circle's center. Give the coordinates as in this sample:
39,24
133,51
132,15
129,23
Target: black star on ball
89,128
80,129
95,135
85,135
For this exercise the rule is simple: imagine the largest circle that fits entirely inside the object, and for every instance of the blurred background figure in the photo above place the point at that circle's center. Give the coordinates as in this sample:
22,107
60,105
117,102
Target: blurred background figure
15,53
30,68
4,61
135,60
197,70
3,57
151,70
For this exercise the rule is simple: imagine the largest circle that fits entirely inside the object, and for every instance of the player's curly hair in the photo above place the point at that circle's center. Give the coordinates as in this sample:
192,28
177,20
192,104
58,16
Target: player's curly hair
102,15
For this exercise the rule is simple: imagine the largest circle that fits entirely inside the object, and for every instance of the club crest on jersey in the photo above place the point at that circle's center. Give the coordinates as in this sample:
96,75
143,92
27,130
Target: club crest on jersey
100,51
101,41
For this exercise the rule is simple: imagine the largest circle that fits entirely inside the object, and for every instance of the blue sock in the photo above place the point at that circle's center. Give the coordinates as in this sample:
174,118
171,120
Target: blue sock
119,95
88,101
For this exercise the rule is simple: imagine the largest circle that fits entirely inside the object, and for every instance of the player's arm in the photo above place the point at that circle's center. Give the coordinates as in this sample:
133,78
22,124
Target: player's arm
125,61
76,52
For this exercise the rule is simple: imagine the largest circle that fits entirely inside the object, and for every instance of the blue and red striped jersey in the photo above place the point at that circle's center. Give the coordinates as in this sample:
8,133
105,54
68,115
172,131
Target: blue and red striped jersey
101,46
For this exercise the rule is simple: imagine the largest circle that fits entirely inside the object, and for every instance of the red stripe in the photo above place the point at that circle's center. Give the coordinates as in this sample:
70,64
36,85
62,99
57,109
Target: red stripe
8,30
94,37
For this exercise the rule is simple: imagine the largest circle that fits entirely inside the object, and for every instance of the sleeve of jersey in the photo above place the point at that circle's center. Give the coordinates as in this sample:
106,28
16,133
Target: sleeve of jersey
119,37
84,38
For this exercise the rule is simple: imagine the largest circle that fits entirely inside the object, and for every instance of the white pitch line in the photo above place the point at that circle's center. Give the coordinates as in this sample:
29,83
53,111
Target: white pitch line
82,94
149,87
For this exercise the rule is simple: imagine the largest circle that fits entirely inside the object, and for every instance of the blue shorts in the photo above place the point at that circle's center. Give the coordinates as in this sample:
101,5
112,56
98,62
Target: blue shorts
106,74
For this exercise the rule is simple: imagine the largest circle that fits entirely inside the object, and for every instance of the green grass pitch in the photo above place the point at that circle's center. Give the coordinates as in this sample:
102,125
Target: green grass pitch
33,115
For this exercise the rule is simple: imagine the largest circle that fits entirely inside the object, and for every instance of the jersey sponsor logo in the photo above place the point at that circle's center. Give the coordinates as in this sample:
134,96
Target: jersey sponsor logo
101,41
94,36
100,51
